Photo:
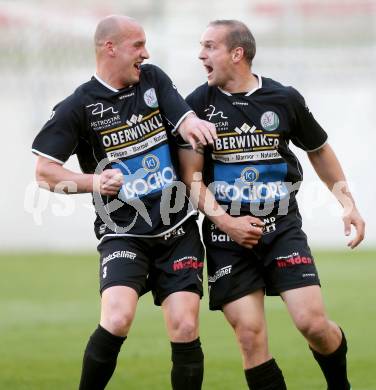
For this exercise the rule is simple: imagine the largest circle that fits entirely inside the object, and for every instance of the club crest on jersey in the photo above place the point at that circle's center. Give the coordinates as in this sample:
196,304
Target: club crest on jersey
151,163
269,120
150,98
249,175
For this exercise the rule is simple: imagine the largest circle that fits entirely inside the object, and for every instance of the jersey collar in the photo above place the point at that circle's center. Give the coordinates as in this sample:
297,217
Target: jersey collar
105,84
250,92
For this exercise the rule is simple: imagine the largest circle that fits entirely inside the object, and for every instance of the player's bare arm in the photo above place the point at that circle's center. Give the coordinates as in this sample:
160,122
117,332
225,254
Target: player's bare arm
245,230
195,131
55,177
329,170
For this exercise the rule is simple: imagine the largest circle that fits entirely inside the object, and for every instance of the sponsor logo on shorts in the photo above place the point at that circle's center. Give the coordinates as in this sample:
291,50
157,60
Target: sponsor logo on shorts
102,228
270,225
220,273
187,262
308,275
220,237
175,233
292,260
119,255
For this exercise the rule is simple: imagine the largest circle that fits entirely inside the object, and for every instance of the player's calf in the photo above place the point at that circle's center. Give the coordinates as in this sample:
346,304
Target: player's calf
266,376
99,360
187,365
334,366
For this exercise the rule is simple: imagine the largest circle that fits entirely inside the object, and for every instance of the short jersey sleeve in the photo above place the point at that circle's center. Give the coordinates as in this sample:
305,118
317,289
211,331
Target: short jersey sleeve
172,105
306,132
59,137
196,100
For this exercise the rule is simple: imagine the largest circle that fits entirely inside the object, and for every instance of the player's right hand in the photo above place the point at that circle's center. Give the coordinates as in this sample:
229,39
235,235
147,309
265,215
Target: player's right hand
245,230
197,131
108,182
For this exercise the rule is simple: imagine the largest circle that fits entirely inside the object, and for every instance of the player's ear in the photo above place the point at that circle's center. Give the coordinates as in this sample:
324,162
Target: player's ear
110,48
237,54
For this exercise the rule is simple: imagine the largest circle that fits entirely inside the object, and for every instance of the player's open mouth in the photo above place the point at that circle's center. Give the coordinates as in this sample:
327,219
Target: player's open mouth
209,69
137,65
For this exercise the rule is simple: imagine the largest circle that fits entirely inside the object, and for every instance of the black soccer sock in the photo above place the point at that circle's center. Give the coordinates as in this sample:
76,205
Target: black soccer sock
100,359
333,366
266,376
187,365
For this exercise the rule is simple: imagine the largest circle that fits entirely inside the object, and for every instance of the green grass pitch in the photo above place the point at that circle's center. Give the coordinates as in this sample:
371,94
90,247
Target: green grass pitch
49,305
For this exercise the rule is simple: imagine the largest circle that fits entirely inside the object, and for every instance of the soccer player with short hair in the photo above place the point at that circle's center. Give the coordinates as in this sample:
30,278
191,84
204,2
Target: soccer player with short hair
120,124
252,229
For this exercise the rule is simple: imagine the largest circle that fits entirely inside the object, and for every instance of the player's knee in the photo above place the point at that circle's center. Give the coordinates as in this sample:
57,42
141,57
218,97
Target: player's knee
185,329
312,327
251,337
118,323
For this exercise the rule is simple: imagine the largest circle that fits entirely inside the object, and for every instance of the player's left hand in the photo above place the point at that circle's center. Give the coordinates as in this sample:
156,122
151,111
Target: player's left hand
197,131
354,218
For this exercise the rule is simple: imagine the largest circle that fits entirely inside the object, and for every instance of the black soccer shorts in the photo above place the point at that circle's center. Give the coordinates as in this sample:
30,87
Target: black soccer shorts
167,264
281,261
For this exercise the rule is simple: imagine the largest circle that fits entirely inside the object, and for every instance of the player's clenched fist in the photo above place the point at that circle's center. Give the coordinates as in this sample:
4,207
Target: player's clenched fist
108,182
246,230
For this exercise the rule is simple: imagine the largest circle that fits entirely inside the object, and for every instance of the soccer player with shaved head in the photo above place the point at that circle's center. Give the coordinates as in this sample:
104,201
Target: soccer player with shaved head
122,124
253,230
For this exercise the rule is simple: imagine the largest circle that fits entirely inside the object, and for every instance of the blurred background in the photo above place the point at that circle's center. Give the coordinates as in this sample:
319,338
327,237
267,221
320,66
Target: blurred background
324,48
